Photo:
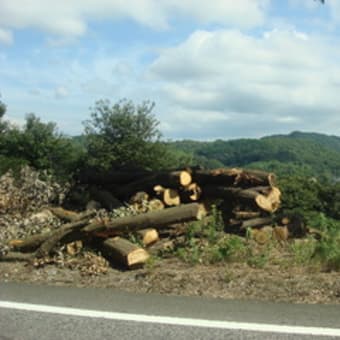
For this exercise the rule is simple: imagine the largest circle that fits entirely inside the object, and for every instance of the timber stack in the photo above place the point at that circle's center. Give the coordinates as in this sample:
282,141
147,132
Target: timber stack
163,202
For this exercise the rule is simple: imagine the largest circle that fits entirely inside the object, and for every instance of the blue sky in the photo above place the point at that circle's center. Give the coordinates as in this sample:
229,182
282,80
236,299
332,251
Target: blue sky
215,69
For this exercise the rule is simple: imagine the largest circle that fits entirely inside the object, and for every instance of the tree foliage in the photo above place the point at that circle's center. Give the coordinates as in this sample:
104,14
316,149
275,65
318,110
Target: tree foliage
39,145
126,135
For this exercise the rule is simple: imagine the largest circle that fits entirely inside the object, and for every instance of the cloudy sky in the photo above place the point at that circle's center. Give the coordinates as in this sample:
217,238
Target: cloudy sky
215,69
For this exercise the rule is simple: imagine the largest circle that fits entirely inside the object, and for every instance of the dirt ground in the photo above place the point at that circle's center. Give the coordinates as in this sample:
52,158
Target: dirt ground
174,277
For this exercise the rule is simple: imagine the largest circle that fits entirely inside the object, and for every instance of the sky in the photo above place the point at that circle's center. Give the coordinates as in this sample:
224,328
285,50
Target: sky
218,69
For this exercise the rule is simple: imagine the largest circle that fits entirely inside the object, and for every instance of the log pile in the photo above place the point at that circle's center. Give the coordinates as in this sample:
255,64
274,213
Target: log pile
163,202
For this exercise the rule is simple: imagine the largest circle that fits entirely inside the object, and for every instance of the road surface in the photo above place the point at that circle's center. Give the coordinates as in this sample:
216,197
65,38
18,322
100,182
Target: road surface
31,312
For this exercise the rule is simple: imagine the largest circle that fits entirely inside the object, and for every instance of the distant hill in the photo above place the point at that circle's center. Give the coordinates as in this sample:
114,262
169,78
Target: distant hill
310,154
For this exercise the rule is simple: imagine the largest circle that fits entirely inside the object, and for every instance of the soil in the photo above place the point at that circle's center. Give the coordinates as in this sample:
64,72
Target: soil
174,277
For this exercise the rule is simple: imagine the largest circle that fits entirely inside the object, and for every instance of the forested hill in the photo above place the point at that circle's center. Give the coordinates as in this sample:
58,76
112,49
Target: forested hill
297,153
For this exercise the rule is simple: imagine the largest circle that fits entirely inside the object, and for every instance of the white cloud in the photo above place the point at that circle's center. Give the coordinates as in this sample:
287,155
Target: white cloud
282,77
6,37
61,92
70,18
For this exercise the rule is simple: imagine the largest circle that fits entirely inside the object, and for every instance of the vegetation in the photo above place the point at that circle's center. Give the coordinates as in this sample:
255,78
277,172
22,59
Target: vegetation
127,135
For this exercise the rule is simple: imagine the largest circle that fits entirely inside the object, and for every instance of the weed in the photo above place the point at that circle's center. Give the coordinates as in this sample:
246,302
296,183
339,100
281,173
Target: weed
302,251
327,250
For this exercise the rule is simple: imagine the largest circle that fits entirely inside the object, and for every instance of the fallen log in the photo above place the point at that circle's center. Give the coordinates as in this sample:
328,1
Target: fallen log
124,251
17,256
172,179
32,243
245,215
47,246
234,177
251,223
152,219
269,203
105,198
69,215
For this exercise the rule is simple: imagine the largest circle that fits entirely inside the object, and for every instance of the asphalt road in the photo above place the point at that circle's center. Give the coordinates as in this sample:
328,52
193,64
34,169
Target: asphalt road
43,312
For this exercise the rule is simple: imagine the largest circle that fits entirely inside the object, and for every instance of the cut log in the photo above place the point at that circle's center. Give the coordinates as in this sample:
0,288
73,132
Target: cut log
251,223
285,220
162,246
125,252
258,177
190,193
152,219
245,215
48,239
139,197
47,246
16,256
173,179
155,204
262,236
234,177
105,198
268,203
63,214
281,233
171,197
168,196
148,236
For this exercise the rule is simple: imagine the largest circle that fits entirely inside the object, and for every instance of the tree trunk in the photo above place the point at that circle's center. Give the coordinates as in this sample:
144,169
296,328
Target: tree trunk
234,177
173,179
269,203
152,219
125,252
252,223
49,238
245,215
105,198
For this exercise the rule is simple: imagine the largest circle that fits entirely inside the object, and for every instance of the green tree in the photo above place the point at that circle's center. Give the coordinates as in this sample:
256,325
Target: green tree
127,135
3,124
41,146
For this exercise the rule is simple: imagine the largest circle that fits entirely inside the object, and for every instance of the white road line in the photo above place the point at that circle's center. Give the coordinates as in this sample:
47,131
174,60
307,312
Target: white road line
257,327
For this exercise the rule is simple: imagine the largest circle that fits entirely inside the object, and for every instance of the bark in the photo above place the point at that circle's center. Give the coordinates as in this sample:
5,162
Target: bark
33,242
251,223
125,252
152,219
47,246
245,215
234,177
105,198
269,203
16,256
63,214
